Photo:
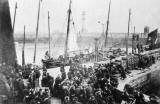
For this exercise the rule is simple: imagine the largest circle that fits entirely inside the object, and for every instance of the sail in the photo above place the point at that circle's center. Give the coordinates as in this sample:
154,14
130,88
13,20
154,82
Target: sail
7,48
152,37
72,41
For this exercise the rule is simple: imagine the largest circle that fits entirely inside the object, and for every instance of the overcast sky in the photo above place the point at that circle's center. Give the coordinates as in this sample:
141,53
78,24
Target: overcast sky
144,12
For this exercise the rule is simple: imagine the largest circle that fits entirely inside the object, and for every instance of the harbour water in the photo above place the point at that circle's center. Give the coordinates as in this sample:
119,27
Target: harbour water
41,49
56,50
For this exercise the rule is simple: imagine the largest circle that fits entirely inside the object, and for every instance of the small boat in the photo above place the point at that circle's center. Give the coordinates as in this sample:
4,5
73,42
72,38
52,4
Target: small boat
50,63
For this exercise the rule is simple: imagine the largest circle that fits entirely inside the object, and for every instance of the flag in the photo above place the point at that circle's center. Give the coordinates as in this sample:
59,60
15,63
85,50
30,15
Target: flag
152,37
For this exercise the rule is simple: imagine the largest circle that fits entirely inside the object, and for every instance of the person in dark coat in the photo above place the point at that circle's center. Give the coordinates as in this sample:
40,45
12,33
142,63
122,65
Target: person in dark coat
92,100
139,98
37,73
56,87
99,97
63,76
50,81
75,101
117,95
20,90
122,71
44,80
32,79
46,97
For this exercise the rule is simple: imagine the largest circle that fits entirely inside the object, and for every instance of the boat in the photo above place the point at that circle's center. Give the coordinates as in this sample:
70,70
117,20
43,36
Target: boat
53,63
71,47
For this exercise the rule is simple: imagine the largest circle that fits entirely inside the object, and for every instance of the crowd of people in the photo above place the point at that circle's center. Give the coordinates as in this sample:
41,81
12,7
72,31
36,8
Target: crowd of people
81,85
24,84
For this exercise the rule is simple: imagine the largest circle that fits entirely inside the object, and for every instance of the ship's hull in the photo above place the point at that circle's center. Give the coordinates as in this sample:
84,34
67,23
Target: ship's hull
53,64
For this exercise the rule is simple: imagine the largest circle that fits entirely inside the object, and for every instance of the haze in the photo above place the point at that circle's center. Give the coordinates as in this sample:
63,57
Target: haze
144,13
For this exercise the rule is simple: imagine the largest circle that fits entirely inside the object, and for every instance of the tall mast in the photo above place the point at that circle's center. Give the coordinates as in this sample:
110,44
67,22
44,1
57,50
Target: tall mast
35,49
15,12
107,24
24,38
49,34
68,29
133,39
128,31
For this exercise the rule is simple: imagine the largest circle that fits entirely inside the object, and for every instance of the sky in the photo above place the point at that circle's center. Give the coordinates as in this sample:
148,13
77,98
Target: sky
143,13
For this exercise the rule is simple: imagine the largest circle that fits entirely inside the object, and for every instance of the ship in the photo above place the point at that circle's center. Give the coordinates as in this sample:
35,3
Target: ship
53,63
71,49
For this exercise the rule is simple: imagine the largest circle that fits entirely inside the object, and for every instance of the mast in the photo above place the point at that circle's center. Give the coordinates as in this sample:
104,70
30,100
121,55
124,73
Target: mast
15,12
24,38
49,35
105,44
68,29
35,49
133,39
128,31
128,36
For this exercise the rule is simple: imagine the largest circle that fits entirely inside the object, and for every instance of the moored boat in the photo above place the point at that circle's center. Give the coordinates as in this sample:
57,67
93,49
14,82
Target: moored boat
53,63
